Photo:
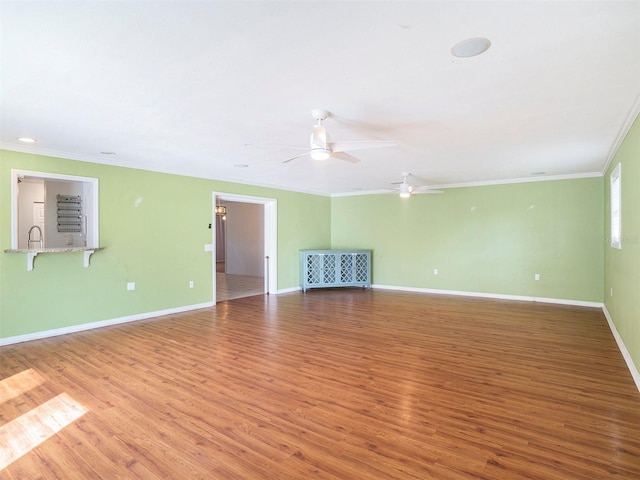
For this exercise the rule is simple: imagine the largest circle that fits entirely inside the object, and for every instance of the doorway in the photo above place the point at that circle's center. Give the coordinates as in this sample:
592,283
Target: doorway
245,246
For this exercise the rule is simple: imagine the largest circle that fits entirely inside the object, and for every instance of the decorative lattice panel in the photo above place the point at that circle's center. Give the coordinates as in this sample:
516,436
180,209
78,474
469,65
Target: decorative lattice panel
335,268
362,268
346,268
314,269
329,265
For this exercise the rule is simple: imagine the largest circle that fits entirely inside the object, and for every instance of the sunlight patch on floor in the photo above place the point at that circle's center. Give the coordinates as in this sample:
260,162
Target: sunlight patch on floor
19,383
26,432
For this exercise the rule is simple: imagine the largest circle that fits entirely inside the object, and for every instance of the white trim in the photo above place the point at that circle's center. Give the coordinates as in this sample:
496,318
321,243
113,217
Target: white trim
572,176
635,374
236,197
48,152
169,171
289,290
102,323
214,250
615,194
541,178
522,298
270,235
634,111
94,182
497,296
240,181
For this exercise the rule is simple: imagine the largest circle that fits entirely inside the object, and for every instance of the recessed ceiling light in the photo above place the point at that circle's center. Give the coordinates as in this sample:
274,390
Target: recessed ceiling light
27,140
470,47
107,153
241,165
538,173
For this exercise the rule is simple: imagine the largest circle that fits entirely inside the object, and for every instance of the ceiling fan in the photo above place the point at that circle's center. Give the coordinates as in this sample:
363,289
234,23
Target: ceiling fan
406,189
321,148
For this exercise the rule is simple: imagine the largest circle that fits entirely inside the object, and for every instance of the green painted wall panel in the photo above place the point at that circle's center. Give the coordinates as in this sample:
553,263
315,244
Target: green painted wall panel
489,239
622,267
154,227
304,225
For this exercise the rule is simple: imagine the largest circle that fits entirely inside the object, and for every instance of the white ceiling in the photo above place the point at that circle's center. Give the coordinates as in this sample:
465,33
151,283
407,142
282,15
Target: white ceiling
183,87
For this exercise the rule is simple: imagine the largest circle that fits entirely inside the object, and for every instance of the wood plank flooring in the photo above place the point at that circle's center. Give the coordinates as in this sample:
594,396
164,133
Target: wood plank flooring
230,286
334,384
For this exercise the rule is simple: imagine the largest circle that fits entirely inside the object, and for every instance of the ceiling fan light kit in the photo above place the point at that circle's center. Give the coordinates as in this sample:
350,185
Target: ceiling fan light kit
320,154
405,188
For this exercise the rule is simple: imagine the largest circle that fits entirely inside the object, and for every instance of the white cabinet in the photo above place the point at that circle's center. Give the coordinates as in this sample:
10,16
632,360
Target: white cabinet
335,268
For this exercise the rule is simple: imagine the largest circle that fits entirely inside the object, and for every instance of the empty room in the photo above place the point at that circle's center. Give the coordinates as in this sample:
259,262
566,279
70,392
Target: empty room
331,240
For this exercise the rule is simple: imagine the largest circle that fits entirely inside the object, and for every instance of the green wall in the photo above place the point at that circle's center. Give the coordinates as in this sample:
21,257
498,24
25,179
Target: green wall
488,239
622,267
154,227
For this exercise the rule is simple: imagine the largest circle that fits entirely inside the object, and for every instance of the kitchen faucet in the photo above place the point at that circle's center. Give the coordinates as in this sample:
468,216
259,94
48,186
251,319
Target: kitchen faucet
40,240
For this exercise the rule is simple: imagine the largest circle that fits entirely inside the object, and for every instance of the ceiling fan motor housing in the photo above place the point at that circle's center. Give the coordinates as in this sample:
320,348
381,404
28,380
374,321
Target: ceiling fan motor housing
319,114
319,137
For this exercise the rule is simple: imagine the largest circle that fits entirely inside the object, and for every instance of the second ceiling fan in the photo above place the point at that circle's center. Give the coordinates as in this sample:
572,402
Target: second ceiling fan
406,189
321,148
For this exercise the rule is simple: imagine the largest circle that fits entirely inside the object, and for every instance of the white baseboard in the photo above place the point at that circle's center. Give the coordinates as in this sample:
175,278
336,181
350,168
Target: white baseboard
498,296
103,323
623,349
288,290
142,316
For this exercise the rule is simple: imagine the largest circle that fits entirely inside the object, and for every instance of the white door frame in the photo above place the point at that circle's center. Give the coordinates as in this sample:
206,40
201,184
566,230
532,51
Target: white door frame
270,236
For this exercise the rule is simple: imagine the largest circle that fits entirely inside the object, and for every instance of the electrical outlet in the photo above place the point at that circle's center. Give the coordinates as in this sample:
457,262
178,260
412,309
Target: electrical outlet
435,271
191,284
131,285
537,276
611,294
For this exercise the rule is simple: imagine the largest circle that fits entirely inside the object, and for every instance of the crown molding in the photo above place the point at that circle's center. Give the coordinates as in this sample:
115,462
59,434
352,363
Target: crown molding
544,178
633,113
93,159
549,178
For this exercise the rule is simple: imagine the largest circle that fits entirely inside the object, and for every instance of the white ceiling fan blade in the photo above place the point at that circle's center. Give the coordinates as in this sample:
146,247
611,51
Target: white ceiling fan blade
297,156
345,156
360,145
297,147
423,189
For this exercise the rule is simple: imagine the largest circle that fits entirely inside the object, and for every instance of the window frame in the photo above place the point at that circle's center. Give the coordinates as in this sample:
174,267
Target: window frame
91,195
615,180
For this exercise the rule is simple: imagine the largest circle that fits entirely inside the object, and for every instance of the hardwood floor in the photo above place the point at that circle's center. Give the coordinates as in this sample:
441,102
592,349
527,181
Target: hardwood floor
230,286
331,384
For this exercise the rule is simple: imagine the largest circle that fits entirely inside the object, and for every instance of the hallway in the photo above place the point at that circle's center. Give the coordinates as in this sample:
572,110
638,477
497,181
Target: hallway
230,287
